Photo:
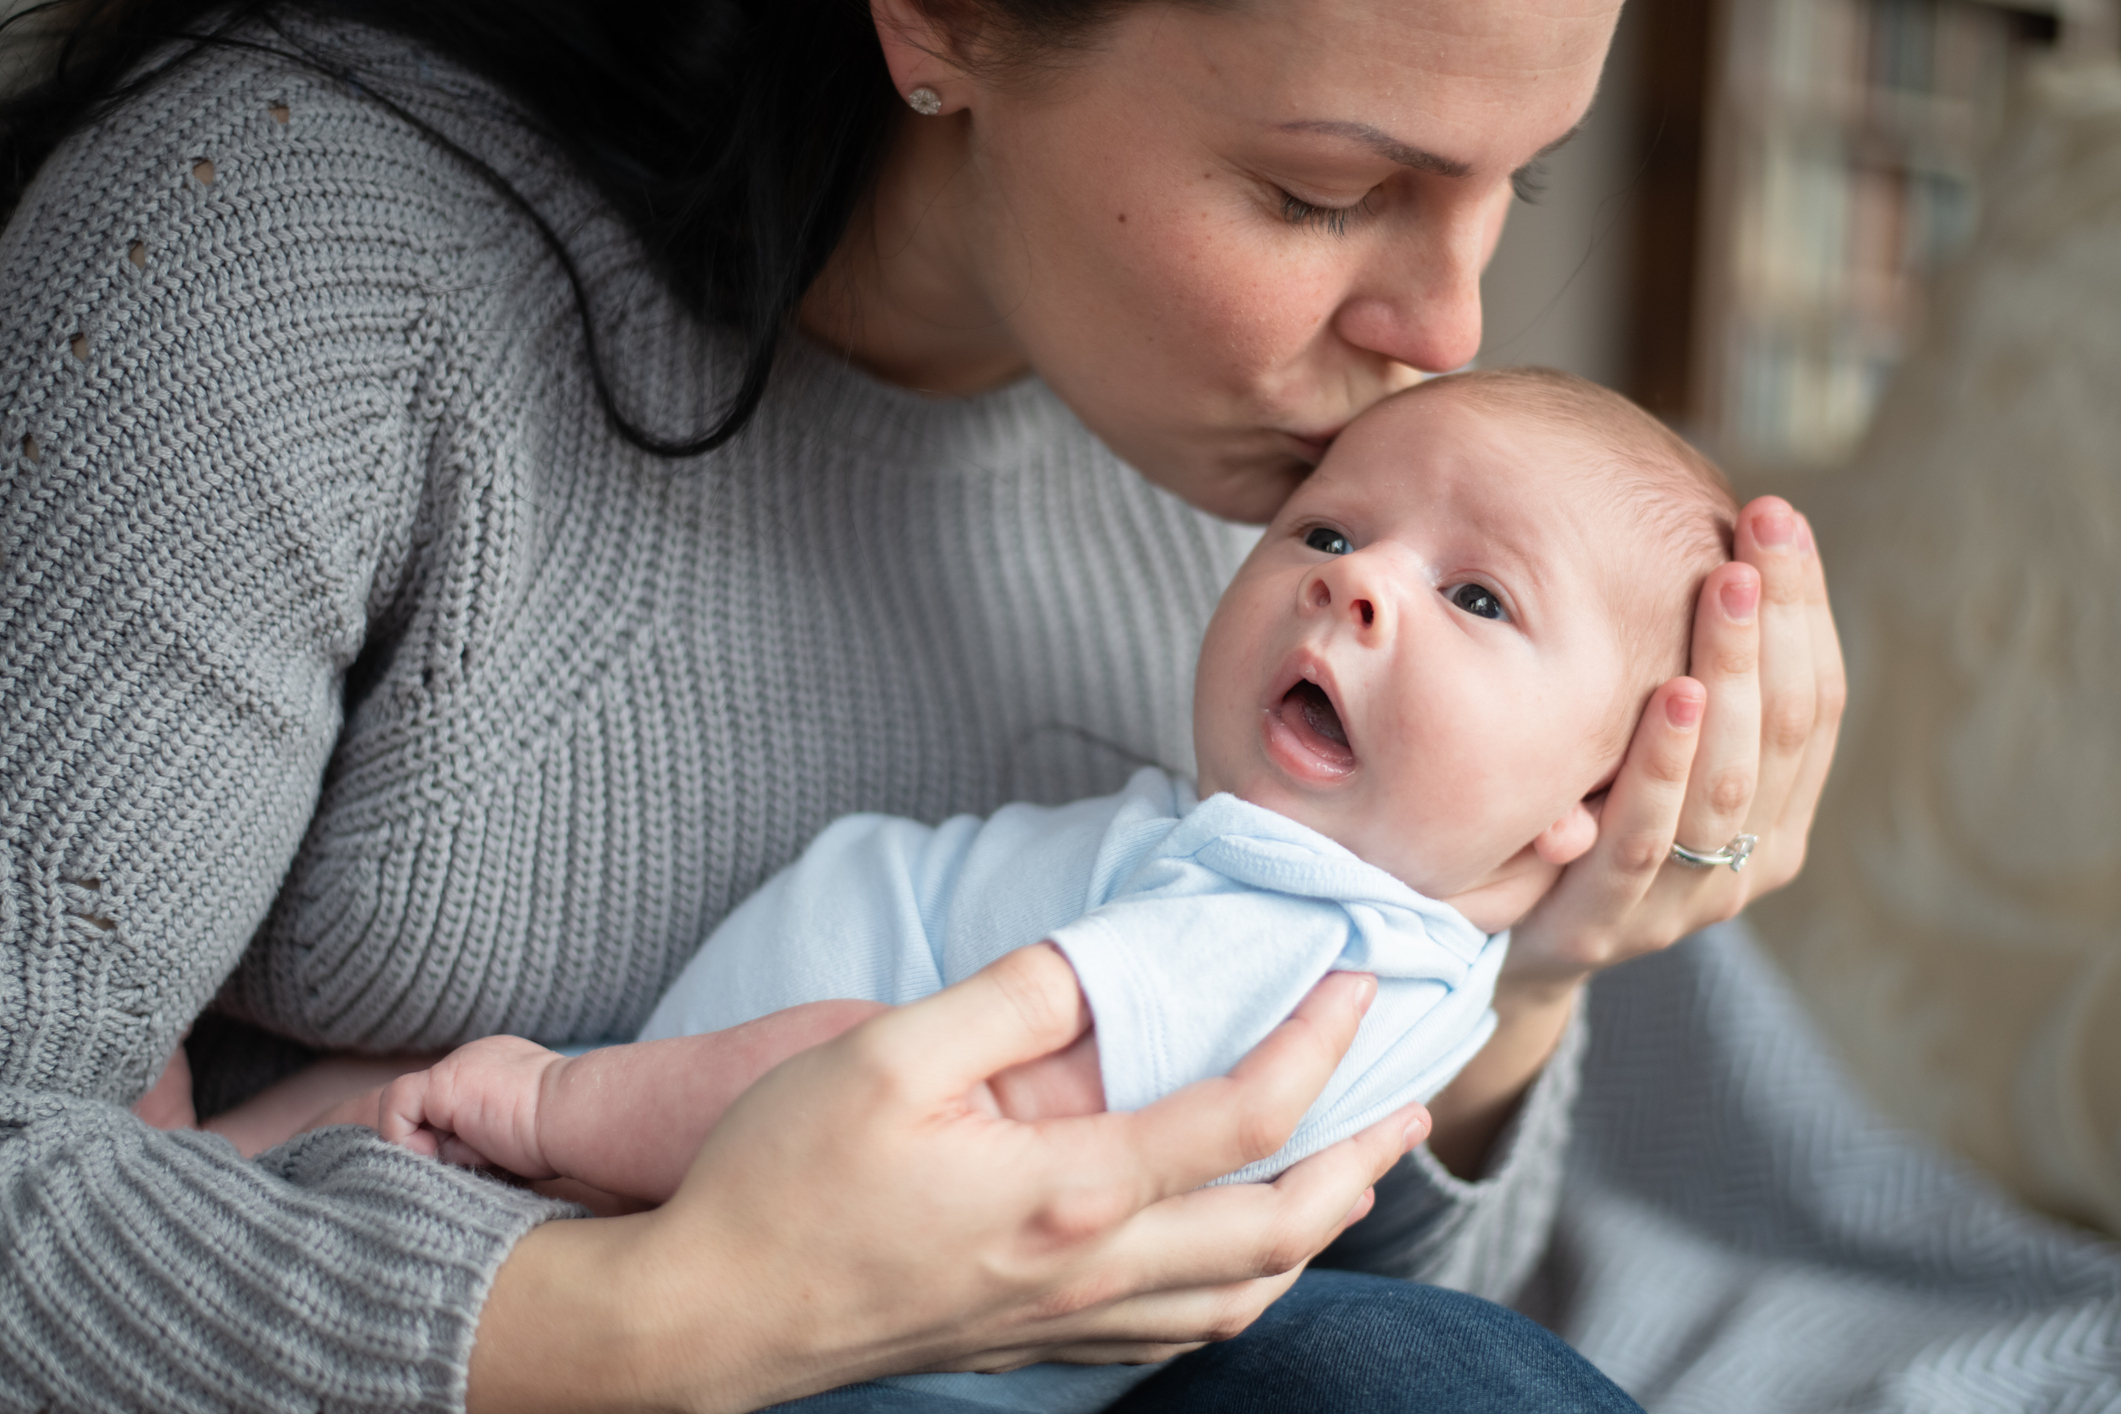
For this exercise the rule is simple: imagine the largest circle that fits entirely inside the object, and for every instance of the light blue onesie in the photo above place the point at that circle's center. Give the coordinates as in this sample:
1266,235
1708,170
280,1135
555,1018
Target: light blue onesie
1195,927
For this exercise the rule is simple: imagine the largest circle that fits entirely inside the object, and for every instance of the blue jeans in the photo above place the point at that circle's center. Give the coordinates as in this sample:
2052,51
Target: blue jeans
1341,1343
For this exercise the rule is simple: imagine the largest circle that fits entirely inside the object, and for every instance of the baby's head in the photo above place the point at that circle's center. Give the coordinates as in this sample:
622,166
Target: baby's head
1440,648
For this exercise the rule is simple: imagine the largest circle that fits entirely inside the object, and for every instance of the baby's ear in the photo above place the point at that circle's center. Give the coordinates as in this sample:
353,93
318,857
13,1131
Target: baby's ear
1569,838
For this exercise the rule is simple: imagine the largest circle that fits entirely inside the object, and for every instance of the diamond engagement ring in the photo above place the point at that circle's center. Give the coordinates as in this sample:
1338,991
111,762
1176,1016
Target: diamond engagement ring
1735,854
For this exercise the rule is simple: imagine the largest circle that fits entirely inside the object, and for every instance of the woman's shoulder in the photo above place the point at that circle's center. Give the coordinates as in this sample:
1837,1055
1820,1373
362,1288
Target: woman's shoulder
283,162
269,271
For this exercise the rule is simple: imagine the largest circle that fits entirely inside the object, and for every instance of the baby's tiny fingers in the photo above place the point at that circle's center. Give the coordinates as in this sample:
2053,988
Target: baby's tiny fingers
424,1142
452,1150
402,1112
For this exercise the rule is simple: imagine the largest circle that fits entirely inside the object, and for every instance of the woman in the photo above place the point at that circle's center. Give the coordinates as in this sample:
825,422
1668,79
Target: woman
366,648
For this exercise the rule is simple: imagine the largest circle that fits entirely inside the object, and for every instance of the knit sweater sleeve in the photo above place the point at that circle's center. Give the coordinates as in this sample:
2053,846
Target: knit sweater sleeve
218,316
1486,1235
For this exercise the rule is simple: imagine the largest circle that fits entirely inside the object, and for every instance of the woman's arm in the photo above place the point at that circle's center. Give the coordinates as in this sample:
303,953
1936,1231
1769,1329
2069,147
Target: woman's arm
206,455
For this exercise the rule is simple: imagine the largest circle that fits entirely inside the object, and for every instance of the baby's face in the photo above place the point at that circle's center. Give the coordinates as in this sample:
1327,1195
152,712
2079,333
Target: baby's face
1420,659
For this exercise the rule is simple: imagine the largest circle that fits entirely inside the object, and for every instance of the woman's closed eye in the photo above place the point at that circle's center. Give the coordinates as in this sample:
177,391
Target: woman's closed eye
1477,600
1328,541
1333,220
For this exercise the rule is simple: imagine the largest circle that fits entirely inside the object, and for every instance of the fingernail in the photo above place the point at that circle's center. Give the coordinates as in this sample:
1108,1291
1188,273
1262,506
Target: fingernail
1683,710
1740,595
1417,1130
1804,536
1361,1208
1365,990
1776,527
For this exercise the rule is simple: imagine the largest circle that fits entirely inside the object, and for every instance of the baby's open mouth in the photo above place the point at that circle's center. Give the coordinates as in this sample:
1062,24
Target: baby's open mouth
1309,713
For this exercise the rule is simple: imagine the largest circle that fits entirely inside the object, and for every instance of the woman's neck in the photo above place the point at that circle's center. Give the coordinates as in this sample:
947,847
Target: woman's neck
904,296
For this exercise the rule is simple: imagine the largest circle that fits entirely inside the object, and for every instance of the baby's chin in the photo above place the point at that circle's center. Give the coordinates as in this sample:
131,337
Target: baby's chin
1401,863
1508,893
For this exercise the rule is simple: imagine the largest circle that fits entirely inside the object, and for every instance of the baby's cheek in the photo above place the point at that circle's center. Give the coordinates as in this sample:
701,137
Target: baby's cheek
1472,804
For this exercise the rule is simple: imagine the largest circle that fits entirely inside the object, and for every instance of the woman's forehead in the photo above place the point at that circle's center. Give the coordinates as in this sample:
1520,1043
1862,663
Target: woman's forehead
1333,42
1456,80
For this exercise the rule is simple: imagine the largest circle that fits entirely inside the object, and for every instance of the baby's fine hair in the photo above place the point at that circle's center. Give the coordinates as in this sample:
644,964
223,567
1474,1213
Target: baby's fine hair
1676,495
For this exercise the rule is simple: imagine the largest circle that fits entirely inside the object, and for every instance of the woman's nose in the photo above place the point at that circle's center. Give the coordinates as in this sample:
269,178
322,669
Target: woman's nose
1420,303
1348,589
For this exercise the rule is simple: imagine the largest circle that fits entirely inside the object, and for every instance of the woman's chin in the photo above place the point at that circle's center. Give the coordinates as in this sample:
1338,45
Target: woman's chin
1245,485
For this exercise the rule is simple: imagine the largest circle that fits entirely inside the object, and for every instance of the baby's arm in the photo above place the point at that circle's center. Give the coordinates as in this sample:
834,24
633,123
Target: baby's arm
624,1119
629,1119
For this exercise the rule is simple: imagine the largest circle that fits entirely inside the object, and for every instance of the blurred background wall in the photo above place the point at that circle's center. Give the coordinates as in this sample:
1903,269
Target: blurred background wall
1868,254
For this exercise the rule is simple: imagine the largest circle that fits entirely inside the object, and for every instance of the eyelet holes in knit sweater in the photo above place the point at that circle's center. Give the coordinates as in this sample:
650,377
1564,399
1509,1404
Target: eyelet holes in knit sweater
29,449
138,255
279,113
85,910
203,169
80,347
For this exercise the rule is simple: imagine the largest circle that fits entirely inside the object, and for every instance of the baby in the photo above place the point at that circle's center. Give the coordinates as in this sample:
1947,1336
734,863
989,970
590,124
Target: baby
1407,705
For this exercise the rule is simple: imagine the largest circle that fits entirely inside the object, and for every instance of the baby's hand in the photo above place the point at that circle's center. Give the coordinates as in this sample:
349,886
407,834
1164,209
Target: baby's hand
477,1106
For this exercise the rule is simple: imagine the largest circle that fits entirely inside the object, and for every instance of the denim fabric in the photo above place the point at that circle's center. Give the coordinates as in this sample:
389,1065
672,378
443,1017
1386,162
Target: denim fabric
1340,1343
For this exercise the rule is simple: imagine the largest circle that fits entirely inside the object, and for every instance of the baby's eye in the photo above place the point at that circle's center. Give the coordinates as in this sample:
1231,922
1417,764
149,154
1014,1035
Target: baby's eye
1478,602
1327,541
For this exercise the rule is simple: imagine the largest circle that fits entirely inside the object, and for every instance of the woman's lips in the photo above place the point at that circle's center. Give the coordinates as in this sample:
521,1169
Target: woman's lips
1306,736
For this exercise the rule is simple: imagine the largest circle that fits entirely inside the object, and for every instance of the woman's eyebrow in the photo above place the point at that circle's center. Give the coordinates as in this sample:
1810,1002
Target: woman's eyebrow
1386,146
1406,154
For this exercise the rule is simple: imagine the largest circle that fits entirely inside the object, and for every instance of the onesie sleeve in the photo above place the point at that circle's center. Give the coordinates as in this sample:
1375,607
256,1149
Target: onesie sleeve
1220,930
217,310
1486,1235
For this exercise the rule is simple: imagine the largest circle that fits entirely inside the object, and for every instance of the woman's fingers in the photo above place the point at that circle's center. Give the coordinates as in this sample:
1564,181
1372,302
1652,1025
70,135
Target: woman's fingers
1726,661
1569,931
1217,1126
1190,1316
1774,539
1190,1282
1019,1007
1240,1232
1830,694
973,1241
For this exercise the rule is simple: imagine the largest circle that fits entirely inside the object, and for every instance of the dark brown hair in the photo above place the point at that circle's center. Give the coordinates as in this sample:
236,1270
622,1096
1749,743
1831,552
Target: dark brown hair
738,138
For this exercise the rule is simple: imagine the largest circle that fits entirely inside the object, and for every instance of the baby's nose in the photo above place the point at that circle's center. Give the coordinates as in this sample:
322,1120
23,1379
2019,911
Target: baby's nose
1354,595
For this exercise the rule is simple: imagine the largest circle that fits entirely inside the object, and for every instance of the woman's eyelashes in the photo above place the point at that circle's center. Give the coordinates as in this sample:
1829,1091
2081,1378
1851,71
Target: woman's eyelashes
1333,220
1328,541
1529,181
1477,600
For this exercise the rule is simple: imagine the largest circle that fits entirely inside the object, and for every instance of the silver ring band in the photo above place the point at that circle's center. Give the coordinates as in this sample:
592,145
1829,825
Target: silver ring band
1735,854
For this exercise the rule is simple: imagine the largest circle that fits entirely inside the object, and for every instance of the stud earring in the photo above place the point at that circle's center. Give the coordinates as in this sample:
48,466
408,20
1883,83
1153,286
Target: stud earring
925,101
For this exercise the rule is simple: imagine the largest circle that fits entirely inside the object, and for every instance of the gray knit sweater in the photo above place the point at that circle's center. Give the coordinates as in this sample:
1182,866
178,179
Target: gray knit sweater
353,670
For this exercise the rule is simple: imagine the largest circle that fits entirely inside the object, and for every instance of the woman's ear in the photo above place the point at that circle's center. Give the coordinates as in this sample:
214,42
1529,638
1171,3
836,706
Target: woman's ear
917,50
1569,838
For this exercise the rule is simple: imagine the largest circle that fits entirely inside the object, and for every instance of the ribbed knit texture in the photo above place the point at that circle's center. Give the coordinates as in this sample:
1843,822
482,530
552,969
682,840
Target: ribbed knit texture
351,667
